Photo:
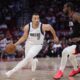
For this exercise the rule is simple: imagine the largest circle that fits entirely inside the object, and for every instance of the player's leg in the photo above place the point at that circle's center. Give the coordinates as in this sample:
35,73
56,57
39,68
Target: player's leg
21,63
68,51
74,62
59,74
34,50
34,63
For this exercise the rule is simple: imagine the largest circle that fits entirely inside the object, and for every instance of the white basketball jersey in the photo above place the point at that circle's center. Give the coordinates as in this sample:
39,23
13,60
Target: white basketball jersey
35,36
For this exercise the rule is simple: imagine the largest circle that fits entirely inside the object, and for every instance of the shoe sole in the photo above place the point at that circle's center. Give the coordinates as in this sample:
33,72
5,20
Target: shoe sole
74,74
57,78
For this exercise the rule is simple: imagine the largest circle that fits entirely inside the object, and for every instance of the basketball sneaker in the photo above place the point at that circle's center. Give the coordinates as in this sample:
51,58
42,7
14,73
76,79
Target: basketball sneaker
74,72
58,75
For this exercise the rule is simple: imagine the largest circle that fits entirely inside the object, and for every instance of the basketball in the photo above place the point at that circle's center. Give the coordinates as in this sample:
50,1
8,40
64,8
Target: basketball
10,48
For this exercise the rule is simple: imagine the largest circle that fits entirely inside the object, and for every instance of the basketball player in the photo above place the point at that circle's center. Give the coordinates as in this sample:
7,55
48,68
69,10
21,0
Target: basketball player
34,33
73,48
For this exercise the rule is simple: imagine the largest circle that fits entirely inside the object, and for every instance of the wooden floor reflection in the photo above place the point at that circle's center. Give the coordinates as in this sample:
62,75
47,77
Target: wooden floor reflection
46,68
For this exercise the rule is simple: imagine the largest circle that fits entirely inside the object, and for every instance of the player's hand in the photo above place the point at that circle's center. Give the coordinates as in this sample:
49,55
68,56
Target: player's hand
10,48
56,40
74,39
16,44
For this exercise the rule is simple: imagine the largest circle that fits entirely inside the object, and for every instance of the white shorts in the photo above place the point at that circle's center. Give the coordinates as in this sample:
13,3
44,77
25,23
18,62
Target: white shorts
32,50
70,49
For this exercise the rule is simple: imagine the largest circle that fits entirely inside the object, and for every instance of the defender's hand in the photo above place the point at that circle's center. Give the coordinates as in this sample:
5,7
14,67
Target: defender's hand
56,40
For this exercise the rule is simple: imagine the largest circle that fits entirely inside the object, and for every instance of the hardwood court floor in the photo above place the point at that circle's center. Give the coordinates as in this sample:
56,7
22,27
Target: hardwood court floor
46,68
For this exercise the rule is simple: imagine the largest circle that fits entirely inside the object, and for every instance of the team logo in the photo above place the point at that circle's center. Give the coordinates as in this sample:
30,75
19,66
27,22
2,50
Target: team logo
37,35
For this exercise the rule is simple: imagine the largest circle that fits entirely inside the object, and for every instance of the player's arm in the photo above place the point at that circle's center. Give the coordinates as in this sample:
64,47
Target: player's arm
24,36
49,28
76,17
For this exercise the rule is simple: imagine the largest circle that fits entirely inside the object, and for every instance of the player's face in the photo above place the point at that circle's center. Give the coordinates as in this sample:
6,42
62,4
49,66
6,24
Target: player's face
35,19
65,9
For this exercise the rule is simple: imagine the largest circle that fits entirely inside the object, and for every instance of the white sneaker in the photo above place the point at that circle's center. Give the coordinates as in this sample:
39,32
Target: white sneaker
34,64
8,74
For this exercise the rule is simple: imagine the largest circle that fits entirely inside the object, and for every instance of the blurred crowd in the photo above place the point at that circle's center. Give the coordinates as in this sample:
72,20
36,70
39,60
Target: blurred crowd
14,14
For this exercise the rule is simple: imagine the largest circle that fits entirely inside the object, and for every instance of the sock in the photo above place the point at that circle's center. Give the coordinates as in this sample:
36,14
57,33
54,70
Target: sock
73,60
63,60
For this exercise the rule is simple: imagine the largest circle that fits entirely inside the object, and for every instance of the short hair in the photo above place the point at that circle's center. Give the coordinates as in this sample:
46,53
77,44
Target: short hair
71,5
35,13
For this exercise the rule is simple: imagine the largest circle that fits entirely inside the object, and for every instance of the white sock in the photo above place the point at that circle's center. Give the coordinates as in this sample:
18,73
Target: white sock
73,60
63,60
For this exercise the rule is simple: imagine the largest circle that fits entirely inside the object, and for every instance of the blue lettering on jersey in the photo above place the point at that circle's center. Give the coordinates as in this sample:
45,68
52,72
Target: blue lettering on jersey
35,35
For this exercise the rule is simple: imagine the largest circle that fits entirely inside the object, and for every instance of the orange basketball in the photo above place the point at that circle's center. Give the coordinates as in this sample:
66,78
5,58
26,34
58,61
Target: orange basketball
10,48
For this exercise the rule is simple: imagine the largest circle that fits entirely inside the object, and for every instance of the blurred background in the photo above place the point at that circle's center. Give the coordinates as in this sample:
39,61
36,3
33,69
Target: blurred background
14,14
